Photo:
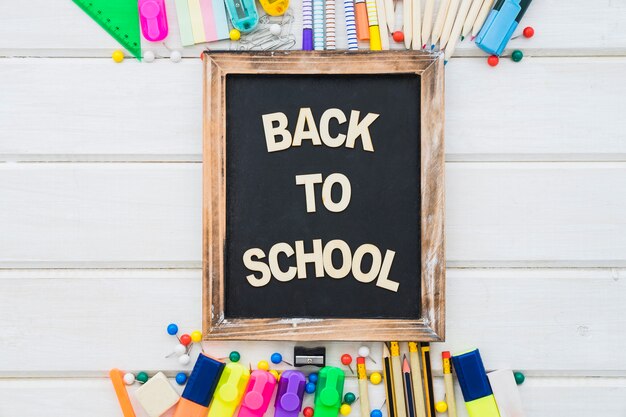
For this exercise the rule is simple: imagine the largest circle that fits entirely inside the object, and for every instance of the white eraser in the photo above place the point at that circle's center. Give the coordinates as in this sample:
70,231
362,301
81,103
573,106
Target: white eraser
506,393
157,395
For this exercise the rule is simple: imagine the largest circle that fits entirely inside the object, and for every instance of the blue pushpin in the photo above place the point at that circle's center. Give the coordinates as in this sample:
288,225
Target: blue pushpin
310,387
172,329
376,413
277,358
313,378
181,378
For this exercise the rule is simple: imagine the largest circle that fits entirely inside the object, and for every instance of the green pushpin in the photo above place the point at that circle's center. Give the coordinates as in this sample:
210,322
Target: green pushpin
519,377
234,356
142,377
349,398
517,55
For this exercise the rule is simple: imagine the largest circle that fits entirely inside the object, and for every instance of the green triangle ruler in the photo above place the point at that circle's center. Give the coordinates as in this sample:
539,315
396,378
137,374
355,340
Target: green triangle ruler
120,18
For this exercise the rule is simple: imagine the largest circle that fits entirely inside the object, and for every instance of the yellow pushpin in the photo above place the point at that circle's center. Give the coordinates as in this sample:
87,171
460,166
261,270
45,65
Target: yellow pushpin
376,378
263,365
345,409
234,35
118,56
275,373
441,407
196,336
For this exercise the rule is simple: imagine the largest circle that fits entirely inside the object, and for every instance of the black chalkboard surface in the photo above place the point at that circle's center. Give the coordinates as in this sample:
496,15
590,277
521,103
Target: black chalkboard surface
264,205
323,196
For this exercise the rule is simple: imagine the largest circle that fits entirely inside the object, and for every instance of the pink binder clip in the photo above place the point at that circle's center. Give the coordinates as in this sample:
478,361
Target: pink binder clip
258,394
153,19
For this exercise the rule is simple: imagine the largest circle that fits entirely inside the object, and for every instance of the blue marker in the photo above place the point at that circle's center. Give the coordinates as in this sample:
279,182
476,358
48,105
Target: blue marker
500,25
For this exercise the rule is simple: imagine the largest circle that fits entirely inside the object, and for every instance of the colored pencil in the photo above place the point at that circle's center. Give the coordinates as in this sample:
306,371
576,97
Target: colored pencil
417,23
408,388
427,26
472,14
330,29
307,25
407,28
382,24
428,380
482,16
449,383
448,23
416,376
318,25
363,394
456,29
439,21
390,11
348,10
372,20
391,399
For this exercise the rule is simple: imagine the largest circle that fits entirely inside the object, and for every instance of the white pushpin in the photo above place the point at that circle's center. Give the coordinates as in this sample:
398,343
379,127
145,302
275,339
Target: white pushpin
129,378
175,56
178,350
275,29
184,359
148,56
364,351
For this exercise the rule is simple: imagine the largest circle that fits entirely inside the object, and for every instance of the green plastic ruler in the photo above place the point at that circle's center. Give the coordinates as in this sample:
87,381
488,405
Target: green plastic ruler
120,18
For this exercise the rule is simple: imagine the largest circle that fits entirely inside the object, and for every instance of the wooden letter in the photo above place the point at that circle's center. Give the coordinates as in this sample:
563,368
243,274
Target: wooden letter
383,281
346,192
346,259
303,258
275,267
324,128
356,129
272,131
358,273
309,181
305,119
256,266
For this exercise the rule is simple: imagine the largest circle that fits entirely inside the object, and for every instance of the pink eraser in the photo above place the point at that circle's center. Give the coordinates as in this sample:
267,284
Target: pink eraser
153,19
258,394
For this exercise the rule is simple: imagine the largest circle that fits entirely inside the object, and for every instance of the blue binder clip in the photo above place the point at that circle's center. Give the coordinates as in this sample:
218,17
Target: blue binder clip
500,25
243,14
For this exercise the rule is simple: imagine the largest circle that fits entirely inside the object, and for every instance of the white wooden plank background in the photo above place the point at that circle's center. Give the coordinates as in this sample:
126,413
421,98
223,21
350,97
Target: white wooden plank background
100,210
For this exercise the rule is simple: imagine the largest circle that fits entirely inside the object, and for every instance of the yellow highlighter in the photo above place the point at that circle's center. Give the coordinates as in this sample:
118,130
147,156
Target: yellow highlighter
229,391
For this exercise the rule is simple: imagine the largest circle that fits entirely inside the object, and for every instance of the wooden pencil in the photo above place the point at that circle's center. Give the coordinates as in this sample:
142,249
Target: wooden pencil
471,17
391,399
416,376
439,21
396,372
482,16
428,380
448,23
408,388
427,25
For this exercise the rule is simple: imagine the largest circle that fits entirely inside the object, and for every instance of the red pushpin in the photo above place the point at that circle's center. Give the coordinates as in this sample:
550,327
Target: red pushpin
528,32
493,60
308,412
398,36
346,359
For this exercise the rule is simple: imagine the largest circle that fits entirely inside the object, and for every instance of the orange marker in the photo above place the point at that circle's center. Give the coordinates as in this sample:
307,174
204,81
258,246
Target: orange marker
120,391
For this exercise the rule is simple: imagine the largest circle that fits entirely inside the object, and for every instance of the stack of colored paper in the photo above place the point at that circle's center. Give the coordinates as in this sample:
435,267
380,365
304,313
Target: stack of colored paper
201,21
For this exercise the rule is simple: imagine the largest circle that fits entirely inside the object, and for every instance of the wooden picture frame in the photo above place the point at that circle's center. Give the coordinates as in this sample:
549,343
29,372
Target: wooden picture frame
431,325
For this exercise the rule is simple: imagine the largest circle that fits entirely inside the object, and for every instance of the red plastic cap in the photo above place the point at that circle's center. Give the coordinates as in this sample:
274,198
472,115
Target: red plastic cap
445,354
360,360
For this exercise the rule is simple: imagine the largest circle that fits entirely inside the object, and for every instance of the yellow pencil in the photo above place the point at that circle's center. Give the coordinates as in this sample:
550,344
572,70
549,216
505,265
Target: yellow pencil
416,376
372,18
449,383
398,385
363,394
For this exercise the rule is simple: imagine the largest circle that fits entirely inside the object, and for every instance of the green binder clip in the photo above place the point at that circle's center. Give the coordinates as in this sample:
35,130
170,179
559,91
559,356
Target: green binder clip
243,14
329,392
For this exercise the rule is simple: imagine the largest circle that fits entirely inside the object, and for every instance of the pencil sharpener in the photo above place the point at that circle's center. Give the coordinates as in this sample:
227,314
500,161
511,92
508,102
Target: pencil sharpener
303,356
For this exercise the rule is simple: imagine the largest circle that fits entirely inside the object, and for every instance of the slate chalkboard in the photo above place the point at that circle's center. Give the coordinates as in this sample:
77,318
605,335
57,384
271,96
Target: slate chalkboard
265,206
316,189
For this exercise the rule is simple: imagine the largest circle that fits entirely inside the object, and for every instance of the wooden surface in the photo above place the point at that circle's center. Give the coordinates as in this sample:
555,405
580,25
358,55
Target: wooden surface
100,211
